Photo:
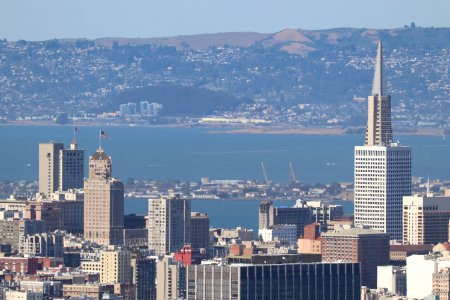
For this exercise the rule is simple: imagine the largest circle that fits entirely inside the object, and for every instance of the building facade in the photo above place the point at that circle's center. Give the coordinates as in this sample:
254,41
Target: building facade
169,222
425,220
49,167
367,246
283,281
71,167
144,278
103,202
382,168
199,230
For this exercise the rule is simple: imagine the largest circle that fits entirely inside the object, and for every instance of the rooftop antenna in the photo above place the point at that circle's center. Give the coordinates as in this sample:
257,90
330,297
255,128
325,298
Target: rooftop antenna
428,185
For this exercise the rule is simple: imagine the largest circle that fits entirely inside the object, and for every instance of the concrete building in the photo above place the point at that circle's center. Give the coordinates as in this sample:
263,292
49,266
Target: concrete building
311,242
419,274
103,202
425,219
441,284
43,244
299,215
91,291
170,279
382,168
367,246
25,265
135,237
322,212
12,231
115,266
23,295
71,167
393,279
278,281
199,230
144,278
282,233
169,222
49,167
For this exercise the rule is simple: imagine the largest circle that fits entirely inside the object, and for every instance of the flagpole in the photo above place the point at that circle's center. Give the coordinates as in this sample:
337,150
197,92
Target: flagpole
100,139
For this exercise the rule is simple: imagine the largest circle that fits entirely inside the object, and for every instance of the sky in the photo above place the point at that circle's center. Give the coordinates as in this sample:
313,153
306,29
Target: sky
49,19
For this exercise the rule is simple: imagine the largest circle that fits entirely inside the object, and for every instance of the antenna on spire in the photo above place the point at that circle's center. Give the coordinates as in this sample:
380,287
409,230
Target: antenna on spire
379,86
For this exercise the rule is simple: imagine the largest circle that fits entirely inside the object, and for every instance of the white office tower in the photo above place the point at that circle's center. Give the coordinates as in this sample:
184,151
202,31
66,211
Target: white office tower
382,168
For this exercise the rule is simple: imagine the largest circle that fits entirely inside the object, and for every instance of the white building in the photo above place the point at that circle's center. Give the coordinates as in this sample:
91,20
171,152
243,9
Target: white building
382,168
419,274
392,278
282,233
169,220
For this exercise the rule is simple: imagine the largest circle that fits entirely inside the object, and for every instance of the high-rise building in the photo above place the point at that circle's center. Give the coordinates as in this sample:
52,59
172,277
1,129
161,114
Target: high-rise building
299,215
366,246
115,266
60,169
382,168
71,167
318,281
441,284
171,280
169,224
49,167
425,219
144,277
103,202
199,230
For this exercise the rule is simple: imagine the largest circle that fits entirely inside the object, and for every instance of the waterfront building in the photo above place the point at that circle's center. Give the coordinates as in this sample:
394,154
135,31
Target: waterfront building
425,219
103,202
382,167
299,215
274,281
199,230
169,224
367,246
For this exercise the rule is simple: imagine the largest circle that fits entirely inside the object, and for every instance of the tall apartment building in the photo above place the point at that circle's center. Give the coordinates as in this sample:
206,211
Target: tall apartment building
60,169
382,168
367,246
103,202
115,266
171,280
49,167
299,215
425,219
144,278
318,281
71,167
169,222
43,245
199,230
13,231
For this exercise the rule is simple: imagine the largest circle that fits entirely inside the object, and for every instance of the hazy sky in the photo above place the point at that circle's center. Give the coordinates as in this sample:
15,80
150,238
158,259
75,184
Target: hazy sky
48,19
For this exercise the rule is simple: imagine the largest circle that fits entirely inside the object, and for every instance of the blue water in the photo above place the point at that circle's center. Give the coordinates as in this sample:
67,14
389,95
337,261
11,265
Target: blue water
225,213
192,153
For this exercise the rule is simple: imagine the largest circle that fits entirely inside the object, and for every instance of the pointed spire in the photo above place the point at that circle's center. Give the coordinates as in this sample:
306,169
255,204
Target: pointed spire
379,86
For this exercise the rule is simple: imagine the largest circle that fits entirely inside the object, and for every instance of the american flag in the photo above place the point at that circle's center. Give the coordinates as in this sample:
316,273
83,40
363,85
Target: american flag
104,135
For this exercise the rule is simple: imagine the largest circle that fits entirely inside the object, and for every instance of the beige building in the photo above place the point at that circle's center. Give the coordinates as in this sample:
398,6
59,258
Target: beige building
23,295
169,222
103,202
92,291
168,276
441,284
49,167
115,266
425,219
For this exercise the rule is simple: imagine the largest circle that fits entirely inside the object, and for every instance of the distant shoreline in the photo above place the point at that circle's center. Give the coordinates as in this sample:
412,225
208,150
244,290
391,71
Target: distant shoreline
238,128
